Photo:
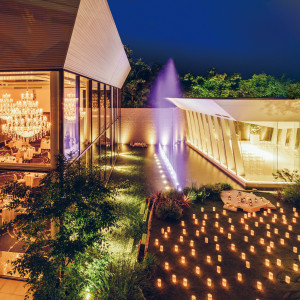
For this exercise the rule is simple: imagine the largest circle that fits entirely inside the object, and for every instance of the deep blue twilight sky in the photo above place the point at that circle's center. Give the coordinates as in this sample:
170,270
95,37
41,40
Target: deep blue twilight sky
243,36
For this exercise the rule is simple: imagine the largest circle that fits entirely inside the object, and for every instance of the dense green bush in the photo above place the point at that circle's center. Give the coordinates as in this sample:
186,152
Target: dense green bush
169,211
225,186
292,194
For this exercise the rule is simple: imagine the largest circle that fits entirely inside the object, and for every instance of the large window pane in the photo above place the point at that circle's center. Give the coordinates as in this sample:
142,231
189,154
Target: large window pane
25,118
102,107
108,105
95,110
71,116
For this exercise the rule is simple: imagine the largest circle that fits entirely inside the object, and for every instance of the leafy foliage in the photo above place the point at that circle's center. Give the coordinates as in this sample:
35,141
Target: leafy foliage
286,175
292,193
79,208
169,211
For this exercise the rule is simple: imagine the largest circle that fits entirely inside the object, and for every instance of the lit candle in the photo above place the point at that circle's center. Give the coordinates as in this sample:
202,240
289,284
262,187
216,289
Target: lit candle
267,262
287,235
197,233
166,235
166,265
278,261
262,241
168,229
161,248
181,238
256,224
243,255
174,279
209,297
229,236
162,230
184,231
271,277
217,247
182,223
191,243
287,279
219,258
176,248
197,270
276,230
203,222
252,232
295,249
193,252
182,259
252,249
208,259
185,282
206,240
224,282
239,276
247,264
218,269
159,282
246,238
295,267
156,242
259,285
208,281
232,247
196,222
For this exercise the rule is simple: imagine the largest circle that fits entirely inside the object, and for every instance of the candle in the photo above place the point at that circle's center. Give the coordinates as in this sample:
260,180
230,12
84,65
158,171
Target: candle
217,247
259,285
232,247
287,279
182,223
176,248
295,249
203,222
239,276
278,261
159,282
243,255
229,236
161,248
252,232
252,249
166,235
215,238
270,276
218,269
162,230
256,224
287,235
174,279
156,242
191,243
166,265
185,282
209,297
208,281
219,258
208,259
193,252
295,267
224,282
182,259
197,233
184,231
276,230
267,262
246,238
197,270
206,240
181,238
247,264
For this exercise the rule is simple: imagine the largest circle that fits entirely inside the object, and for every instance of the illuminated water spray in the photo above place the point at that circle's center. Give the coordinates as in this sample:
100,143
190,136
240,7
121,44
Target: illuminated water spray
167,85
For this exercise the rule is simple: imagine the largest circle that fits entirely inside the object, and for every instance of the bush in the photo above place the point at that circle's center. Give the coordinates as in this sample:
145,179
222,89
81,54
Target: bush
292,194
214,192
225,186
202,194
169,211
191,192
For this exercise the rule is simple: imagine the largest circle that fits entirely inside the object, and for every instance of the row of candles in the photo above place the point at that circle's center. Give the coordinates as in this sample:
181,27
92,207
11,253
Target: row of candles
243,255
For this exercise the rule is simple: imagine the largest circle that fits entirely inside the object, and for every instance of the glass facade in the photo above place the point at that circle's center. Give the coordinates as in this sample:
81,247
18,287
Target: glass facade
250,151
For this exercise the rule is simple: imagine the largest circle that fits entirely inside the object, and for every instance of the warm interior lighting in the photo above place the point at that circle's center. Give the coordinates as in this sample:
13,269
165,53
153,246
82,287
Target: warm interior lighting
247,264
278,261
192,243
219,258
267,262
218,269
176,248
193,252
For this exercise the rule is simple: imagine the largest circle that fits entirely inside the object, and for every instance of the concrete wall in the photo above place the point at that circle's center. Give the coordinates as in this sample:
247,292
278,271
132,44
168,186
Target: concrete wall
139,125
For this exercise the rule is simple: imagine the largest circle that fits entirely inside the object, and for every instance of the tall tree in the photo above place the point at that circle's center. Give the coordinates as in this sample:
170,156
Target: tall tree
80,208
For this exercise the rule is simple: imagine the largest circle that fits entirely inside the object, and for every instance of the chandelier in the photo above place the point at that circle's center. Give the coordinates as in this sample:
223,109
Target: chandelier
6,106
26,120
70,107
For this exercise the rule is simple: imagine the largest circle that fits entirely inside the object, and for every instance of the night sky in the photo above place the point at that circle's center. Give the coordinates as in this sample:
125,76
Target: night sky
243,36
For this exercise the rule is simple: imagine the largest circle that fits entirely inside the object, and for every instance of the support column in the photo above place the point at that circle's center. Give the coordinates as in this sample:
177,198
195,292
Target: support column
207,135
213,138
293,137
203,138
189,126
220,142
197,131
283,137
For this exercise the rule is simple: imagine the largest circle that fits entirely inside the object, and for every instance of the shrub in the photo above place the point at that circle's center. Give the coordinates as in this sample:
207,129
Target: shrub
225,186
202,194
169,211
214,192
191,192
292,193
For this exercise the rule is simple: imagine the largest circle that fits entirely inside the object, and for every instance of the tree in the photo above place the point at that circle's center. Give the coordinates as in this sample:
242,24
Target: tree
137,86
293,90
79,207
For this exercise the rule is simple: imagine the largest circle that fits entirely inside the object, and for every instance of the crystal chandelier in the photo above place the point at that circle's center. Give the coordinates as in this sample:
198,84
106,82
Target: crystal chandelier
6,106
70,107
26,120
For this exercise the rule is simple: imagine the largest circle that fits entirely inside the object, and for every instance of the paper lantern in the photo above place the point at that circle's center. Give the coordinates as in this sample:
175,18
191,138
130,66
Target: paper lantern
287,235
215,238
243,255
181,238
182,223
159,282
295,267
246,239
267,262
239,276
193,252
174,279
168,229
161,248
206,240
229,236
219,258
233,247
208,259
247,264
287,279
295,249
252,249
259,285
197,233
176,248
224,282
162,231
182,259
278,262
209,282
197,270
218,269
156,242
192,243
185,282
166,266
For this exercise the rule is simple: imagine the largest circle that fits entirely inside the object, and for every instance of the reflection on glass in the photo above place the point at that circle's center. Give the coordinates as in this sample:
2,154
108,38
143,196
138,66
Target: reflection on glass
71,139
85,118
108,105
95,111
102,107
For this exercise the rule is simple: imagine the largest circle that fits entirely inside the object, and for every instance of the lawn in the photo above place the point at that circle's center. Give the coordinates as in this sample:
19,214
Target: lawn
231,261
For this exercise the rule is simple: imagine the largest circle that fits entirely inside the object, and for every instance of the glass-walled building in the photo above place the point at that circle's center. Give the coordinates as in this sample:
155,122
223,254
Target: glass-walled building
249,139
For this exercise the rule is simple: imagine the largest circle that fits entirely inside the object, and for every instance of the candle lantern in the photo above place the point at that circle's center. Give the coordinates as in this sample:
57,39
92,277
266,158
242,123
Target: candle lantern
281,210
209,297
219,258
246,226
159,282
214,209
294,220
174,279
290,227
196,221
224,212
268,234
268,249
224,282
239,276
198,270
202,209
268,226
161,248
185,282
221,229
276,230
246,238
256,224
261,220
162,231
265,213
193,297
287,279
218,269
272,244
247,264
205,216
278,262
184,231
242,220
217,224
262,241
166,235
202,229
229,220
232,227
166,265
217,216
215,238
252,232
298,237
194,216
182,223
